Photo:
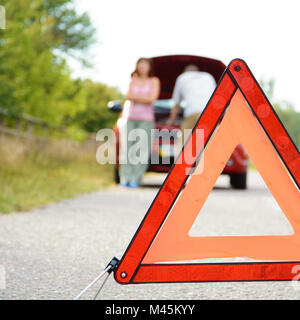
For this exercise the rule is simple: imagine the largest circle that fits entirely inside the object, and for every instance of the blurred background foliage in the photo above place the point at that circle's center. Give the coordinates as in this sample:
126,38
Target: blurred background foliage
285,110
34,76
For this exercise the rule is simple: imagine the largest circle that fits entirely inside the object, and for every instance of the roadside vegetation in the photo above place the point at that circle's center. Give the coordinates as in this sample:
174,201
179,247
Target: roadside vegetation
33,174
36,81
286,112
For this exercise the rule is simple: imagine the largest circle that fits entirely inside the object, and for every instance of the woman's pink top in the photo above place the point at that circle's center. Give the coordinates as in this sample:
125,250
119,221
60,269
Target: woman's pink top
141,111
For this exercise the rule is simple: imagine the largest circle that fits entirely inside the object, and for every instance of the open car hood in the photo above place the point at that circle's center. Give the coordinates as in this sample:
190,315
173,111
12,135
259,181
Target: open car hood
168,68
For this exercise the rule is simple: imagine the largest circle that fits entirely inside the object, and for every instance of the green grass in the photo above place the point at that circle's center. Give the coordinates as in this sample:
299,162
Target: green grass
41,177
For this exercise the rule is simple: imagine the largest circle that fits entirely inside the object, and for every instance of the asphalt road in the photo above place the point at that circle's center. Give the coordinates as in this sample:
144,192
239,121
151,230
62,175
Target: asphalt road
55,251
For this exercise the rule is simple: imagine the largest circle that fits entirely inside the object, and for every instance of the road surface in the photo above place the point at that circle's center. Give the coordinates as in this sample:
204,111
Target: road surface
55,251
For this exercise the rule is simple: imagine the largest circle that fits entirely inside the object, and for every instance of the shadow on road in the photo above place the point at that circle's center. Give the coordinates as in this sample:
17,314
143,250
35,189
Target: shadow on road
222,185
158,185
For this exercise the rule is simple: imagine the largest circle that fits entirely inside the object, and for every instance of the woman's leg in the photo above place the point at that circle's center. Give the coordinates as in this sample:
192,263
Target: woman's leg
126,168
140,168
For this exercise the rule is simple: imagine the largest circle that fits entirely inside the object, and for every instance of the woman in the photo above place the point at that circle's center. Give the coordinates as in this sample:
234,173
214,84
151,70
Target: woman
144,89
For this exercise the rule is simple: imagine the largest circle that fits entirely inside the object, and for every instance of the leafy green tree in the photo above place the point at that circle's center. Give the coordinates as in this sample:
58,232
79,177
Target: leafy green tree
96,114
34,77
286,112
71,33
291,120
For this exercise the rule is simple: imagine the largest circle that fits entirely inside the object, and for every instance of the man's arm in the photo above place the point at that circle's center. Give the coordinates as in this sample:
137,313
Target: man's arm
176,97
173,114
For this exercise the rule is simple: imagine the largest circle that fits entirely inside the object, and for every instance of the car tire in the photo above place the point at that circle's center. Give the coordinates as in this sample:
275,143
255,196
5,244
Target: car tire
116,175
238,180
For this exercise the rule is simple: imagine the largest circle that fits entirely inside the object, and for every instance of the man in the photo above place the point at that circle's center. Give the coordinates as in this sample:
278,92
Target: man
192,89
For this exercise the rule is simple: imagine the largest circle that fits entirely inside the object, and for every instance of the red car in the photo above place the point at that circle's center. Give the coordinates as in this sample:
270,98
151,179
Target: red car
167,69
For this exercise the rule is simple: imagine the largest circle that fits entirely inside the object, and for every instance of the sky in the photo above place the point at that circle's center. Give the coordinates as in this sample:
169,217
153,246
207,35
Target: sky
265,33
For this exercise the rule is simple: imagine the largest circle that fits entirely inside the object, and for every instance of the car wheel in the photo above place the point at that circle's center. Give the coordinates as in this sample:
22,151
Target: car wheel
238,180
116,175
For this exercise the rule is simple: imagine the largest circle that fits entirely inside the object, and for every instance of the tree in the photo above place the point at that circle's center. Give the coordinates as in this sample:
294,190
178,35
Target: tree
285,110
71,33
34,77
96,115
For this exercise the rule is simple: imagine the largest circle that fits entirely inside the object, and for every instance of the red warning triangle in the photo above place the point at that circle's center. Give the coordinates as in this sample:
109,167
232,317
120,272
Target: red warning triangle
248,119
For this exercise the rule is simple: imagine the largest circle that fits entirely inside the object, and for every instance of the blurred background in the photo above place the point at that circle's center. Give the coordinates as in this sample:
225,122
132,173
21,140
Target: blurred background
61,61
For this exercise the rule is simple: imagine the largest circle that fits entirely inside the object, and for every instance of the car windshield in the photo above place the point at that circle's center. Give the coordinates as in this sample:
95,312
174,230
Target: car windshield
166,104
